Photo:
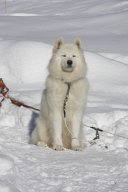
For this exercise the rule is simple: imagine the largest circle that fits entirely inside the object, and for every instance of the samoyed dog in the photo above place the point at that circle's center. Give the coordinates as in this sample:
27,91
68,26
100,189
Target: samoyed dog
59,124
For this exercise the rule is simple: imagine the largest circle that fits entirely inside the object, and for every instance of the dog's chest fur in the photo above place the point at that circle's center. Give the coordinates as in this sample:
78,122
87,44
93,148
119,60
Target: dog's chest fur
57,93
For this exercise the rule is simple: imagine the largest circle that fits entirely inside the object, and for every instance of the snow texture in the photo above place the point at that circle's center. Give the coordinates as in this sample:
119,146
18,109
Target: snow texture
28,30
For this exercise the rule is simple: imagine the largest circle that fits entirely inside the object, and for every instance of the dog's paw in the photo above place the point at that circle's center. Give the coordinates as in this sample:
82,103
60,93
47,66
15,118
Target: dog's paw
58,147
77,148
76,145
41,144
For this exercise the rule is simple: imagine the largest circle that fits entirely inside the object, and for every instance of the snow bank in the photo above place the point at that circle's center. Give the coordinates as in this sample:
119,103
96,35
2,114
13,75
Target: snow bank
24,62
105,74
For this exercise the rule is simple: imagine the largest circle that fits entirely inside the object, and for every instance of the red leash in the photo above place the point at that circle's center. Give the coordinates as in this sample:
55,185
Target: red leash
4,91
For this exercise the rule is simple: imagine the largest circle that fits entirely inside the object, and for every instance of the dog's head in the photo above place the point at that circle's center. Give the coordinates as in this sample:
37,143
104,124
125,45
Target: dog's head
67,61
68,55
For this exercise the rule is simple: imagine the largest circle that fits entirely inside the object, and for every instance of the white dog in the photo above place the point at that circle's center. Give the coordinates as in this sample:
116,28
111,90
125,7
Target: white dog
59,123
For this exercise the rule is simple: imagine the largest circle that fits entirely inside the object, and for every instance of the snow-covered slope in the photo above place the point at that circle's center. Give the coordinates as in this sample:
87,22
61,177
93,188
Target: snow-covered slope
27,32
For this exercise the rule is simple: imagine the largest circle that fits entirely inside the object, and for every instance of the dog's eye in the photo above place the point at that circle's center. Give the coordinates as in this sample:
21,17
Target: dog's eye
74,55
64,55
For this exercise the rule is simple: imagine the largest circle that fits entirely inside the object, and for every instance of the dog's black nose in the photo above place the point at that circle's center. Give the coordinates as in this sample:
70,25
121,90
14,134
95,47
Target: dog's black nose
69,62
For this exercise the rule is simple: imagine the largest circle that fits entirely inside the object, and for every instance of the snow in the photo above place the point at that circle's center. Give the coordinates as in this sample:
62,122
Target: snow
28,30
5,165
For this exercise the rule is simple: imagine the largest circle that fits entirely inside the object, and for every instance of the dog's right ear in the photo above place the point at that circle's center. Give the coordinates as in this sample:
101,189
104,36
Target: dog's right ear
77,42
58,44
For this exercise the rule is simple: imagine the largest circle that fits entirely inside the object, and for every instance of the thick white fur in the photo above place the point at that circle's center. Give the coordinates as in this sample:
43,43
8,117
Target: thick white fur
50,129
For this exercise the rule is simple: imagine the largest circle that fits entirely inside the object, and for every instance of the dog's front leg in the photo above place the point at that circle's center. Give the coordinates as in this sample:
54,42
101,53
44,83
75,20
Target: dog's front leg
76,123
57,131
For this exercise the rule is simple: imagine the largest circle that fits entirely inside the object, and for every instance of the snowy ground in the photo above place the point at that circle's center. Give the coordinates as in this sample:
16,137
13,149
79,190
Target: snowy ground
27,32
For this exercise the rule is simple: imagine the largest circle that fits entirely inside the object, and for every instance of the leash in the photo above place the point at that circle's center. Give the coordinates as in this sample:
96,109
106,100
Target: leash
66,99
4,91
97,131
64,108
101,130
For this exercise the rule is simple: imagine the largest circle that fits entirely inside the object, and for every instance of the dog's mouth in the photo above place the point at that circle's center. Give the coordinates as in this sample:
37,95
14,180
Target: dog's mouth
68,69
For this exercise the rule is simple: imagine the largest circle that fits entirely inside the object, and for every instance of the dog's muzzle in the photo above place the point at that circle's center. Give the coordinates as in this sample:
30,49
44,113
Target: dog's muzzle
68,65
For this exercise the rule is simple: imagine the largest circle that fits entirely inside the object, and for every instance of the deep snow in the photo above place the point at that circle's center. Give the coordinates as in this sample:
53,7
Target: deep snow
25,49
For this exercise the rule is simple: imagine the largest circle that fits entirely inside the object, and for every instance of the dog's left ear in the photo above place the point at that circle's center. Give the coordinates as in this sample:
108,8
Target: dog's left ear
77,42
58,44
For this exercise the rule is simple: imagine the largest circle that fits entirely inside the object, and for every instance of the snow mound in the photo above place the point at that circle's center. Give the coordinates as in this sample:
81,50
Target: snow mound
24,62
106,73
